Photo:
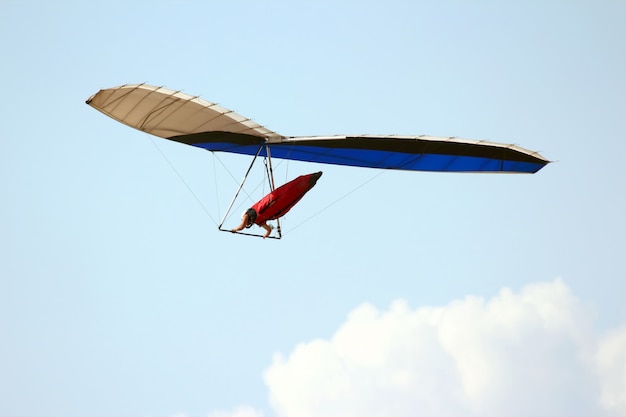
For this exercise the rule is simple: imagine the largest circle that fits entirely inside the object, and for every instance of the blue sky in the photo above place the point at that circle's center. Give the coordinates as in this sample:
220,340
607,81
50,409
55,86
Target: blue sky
119,296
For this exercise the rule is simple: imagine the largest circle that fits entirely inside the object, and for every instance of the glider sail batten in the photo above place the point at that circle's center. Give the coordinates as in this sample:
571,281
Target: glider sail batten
193,121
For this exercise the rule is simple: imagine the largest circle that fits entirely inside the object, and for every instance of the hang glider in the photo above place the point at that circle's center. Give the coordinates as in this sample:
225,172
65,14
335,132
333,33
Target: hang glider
193,121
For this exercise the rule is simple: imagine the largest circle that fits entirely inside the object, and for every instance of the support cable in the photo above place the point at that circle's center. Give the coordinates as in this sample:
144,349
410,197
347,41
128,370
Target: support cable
291,229
183,180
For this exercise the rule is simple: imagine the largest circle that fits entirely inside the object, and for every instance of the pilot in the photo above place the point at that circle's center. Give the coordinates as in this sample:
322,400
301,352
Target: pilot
247,220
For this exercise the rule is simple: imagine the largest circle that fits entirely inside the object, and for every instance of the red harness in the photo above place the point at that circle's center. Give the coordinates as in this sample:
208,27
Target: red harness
277,203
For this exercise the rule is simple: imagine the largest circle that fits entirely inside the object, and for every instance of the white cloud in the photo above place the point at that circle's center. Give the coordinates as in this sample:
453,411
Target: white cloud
241,411
531,353
611,368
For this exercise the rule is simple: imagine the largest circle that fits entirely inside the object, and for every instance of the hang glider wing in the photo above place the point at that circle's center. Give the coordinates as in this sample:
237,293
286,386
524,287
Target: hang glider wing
191,120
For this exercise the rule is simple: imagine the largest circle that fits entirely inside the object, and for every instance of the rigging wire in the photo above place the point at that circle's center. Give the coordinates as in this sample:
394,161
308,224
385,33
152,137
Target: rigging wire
335,202
248,191
236,181
182,180
261,184
241,184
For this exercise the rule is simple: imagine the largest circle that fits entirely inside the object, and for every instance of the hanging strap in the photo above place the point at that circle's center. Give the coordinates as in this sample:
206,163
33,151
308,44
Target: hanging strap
270,177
